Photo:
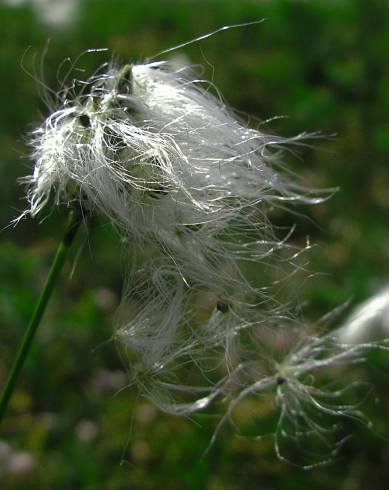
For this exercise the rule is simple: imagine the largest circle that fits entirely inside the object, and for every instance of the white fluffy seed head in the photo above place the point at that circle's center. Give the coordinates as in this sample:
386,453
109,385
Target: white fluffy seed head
174,169
143,133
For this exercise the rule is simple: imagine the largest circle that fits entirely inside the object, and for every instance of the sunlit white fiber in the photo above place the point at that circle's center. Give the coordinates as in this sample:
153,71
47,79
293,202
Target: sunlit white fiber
308,416
172,167
189,188
369,321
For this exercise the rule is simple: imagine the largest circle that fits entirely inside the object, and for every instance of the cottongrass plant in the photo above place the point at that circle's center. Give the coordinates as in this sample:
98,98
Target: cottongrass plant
189,187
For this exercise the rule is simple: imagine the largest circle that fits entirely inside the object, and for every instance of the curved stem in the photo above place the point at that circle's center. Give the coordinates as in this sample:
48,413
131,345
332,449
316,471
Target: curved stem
55,269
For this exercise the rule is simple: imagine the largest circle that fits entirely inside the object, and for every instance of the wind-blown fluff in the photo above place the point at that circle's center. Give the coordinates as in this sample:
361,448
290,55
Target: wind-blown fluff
175,171
369,321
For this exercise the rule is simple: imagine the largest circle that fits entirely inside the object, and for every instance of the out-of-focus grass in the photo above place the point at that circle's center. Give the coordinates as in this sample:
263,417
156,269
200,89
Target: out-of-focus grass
324,65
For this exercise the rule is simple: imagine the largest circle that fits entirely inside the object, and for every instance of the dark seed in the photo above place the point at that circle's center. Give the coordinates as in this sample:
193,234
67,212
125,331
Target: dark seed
154,162
84,120
158,192
125,80
222,306
280,380
194,227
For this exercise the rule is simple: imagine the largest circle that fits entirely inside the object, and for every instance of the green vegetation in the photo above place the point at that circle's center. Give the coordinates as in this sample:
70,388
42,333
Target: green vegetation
324,65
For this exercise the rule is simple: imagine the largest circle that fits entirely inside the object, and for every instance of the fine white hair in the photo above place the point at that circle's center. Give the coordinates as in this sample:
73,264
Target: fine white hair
369,321
189,186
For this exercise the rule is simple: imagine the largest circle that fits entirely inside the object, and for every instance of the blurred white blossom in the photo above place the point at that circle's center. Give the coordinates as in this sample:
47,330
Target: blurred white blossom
20,464
57,14
86,430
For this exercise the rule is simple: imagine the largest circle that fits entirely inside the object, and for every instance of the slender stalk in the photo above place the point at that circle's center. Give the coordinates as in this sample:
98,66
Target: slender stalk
55,269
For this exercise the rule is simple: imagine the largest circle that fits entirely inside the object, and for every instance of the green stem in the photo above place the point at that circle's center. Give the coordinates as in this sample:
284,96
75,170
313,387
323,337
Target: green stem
55,269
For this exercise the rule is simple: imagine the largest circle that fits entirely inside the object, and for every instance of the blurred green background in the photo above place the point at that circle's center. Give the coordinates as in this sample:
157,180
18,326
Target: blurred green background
321,64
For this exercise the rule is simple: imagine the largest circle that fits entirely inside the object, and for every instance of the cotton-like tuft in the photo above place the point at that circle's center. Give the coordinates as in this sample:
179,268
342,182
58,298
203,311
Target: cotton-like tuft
369,321
190,187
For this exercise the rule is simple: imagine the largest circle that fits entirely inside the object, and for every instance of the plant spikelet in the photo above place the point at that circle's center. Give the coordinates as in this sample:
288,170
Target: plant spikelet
189,186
